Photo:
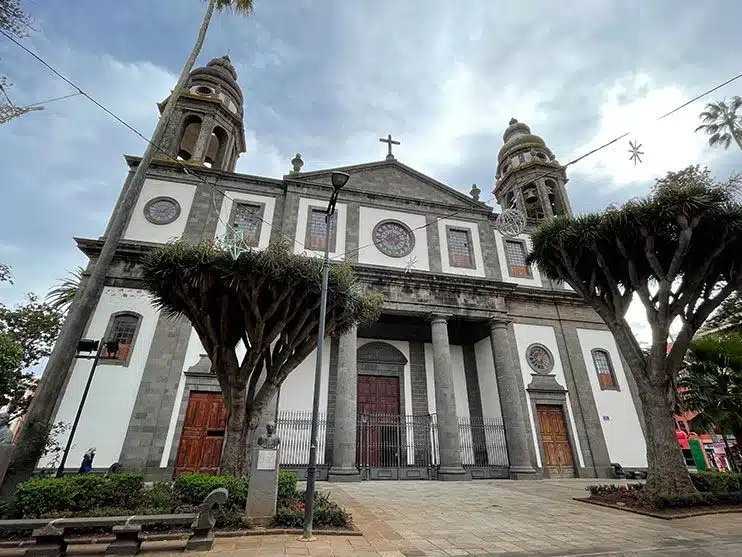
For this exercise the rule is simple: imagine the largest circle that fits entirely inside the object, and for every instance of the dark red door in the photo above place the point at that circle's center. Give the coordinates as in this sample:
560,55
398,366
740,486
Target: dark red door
379,435
200,448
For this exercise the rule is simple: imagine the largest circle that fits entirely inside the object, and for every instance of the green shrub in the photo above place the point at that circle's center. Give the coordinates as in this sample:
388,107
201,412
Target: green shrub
717,482
192,489
286,488
326,514
332,514
43,496
289,517
157,496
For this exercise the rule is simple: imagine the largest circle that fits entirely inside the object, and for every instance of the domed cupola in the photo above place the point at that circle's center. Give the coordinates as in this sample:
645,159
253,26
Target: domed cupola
207,126
528,176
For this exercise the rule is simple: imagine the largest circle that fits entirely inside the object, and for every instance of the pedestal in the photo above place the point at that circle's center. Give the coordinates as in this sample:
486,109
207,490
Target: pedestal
263,488
6,452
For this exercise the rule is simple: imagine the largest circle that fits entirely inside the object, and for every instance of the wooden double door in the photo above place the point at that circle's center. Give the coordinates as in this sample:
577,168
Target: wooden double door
380,430
202,438
555,441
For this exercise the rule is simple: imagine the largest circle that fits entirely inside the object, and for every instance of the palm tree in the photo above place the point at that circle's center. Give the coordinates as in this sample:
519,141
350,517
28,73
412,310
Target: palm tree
60,297
712,385
722,123
52,382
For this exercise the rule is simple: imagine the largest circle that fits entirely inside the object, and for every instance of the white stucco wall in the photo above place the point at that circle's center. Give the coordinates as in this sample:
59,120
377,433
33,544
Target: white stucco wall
525,335
616,411
473,229
504,269
193,353
487,380
297,390
108,407
142,230
301,228
459,379
370,217
265,226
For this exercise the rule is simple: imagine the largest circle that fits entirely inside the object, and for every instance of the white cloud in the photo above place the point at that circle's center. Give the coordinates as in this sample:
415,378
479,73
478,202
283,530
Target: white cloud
633,104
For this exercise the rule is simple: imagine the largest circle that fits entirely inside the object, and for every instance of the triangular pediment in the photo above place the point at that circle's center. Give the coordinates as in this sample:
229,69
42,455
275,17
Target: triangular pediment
393,178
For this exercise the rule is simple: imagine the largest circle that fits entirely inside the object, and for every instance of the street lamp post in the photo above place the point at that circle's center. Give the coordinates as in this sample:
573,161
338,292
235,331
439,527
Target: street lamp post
339,179
87,346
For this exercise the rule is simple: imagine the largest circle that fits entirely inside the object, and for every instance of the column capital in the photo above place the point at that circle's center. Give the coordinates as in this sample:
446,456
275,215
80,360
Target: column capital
438,317
499,320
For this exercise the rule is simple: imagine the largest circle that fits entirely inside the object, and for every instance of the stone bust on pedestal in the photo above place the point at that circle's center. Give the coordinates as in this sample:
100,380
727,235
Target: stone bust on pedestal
269,441
262,490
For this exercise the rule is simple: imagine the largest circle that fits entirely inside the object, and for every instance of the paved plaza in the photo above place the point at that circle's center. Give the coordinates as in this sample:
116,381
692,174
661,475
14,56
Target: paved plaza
504,518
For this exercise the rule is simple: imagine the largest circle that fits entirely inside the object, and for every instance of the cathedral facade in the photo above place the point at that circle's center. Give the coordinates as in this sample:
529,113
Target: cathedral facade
479,366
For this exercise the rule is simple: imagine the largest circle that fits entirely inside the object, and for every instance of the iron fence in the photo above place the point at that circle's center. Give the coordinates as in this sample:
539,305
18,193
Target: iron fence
394,441
482,441
293,427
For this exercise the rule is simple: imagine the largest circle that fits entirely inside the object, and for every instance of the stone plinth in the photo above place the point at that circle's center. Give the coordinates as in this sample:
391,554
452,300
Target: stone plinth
263,487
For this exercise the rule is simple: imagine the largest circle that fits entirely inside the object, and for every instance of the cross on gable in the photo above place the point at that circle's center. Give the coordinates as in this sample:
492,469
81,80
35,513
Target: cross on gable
389,141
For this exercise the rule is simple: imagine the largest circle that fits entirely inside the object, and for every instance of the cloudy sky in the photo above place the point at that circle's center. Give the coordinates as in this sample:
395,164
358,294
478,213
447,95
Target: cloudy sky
328,77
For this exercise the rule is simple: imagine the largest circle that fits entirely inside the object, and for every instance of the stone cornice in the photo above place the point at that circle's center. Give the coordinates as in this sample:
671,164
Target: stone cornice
375,277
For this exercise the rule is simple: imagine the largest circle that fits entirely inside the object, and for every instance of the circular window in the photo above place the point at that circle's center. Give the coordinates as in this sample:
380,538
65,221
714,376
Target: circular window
539,358
162,210
203,90
393,238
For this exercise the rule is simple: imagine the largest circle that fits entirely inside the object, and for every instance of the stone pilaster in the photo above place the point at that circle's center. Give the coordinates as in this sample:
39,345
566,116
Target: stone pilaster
508,386
445,403
344,440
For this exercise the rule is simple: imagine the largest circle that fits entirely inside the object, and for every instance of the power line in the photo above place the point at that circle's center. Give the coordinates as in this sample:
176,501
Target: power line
570,163
187,169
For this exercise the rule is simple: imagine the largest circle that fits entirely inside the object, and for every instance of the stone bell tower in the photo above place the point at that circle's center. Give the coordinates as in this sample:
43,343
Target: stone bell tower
207,127
529,178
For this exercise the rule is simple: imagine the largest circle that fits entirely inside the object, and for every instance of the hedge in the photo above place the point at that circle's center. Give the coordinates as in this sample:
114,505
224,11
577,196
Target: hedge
79,495
717,482
44,496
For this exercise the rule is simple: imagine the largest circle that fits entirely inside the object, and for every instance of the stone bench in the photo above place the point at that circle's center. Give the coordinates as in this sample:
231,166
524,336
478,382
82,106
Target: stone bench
49,541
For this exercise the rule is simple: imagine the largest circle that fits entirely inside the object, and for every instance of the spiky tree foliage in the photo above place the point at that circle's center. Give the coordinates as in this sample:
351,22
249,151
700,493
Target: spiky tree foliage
13,19
722,123
52,383
679,250
729,315
266,303
60,297
711,384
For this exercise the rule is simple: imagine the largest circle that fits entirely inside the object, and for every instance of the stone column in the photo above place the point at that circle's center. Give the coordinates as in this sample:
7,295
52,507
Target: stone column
514,417
204,138
445,404
344,441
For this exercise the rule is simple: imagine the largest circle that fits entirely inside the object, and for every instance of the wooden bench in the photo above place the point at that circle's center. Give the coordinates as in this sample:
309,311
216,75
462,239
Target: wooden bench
49,541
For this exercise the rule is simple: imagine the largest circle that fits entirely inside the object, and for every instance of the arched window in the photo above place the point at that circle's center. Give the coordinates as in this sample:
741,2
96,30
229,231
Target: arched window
120,337
554,200
604,368
533,203
215,153
189,137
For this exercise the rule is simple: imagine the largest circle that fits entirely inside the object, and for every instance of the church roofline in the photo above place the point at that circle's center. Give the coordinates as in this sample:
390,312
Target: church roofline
390,163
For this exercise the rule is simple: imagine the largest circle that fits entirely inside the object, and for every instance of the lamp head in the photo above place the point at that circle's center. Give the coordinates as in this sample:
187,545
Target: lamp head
339,179
87,345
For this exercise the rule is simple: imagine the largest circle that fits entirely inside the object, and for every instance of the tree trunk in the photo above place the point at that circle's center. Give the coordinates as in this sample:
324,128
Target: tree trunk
235,446
59,366
667,472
